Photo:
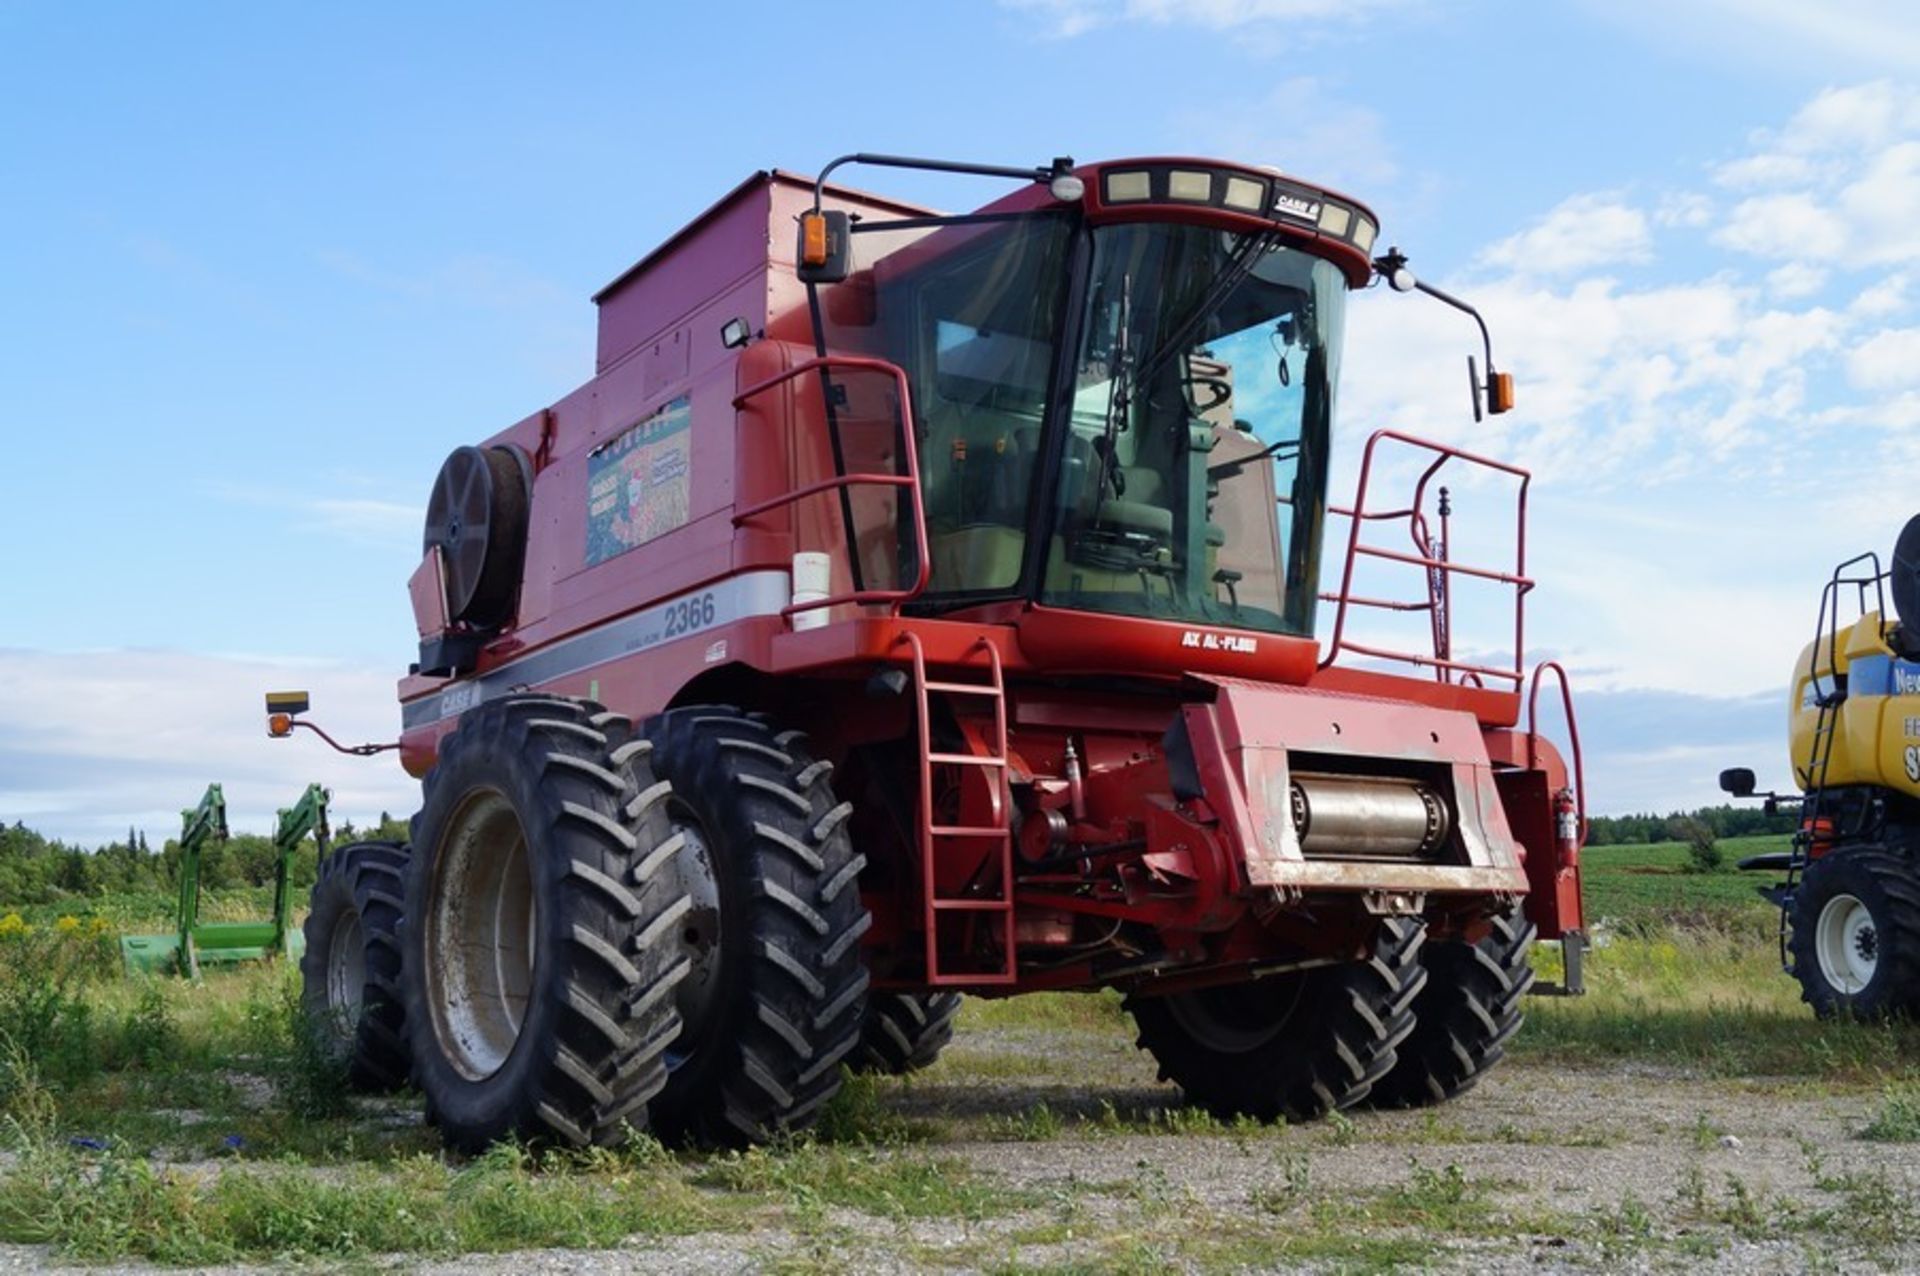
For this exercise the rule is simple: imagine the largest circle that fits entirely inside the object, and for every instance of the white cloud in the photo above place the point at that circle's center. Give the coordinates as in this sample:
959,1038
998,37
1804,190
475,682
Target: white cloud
1067,18
1839,183
1300,126
1888,360
93,741
1795,280
1583,232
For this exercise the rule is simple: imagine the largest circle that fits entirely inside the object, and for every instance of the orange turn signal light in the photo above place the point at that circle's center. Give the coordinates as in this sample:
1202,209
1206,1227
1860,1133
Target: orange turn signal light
813,239
279,725
1500,393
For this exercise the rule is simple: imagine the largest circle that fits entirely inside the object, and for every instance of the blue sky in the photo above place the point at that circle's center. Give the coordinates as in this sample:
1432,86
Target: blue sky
262,266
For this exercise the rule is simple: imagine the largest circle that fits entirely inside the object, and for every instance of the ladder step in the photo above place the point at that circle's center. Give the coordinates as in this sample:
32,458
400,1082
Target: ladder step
974,905
964,759
987,690
962,830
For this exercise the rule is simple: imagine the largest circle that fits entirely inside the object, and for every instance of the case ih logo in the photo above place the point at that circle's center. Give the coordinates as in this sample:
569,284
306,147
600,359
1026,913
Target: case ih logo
1289,204
1220,642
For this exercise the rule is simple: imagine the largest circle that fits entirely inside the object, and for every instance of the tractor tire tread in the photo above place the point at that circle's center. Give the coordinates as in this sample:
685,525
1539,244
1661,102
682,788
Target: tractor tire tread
1469,1009
598,1056
904,1032
771,1056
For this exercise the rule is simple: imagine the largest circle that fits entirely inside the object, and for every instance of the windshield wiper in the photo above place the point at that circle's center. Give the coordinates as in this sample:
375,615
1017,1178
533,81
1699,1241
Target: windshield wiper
1119,392
1238,267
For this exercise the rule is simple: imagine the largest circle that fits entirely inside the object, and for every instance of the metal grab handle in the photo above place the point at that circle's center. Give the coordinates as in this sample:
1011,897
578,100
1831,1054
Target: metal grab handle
910,480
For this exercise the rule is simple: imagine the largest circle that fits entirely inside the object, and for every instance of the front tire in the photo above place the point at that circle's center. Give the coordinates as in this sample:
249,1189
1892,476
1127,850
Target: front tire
350,972
1293,1046
1464,1017
1855,942
538,970
774,999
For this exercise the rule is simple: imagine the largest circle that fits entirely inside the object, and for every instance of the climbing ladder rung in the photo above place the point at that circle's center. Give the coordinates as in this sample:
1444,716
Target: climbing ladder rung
964,759
985,690
973,905
961,830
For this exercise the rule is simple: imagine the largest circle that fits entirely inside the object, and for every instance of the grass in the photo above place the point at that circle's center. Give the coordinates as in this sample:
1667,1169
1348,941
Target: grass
211,1132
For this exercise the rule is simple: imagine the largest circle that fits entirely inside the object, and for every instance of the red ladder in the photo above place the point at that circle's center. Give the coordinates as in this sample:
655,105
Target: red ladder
934,838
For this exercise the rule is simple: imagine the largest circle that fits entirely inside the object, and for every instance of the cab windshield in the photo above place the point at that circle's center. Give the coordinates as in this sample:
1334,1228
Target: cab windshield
1179,474
1195,453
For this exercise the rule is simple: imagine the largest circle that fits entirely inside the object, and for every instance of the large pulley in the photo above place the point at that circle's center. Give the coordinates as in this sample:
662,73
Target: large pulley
477,518
1904,579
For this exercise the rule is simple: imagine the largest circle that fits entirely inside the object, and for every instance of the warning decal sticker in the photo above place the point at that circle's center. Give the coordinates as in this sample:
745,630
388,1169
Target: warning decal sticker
637,485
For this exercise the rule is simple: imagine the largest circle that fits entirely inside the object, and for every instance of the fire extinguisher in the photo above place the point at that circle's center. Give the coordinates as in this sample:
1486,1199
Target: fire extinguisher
1566,828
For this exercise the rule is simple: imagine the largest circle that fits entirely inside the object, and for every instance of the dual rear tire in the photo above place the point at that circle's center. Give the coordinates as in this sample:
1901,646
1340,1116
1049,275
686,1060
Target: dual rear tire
609,930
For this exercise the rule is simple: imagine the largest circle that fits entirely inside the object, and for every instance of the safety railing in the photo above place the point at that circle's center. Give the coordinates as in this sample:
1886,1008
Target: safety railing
1437,566
908,480
1573,735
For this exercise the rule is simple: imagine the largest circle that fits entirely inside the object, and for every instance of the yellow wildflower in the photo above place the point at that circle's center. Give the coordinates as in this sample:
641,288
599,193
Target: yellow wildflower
12,924
67,924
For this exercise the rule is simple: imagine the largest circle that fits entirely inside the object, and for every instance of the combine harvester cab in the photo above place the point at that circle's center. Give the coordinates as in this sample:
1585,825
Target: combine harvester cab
918,604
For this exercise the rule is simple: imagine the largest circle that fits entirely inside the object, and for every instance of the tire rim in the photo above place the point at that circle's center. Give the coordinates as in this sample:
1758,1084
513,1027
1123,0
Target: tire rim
1239,1018
699,934
480,928
1847,944
346,975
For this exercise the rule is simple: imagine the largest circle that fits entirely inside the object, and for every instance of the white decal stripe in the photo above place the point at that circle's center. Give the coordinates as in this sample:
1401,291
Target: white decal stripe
687,615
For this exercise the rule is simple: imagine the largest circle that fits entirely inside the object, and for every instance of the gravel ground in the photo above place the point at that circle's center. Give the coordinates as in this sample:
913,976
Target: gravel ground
1547,1152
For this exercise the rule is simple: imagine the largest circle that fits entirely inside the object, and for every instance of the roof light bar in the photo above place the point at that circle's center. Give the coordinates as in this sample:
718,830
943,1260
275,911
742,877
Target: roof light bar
1275,199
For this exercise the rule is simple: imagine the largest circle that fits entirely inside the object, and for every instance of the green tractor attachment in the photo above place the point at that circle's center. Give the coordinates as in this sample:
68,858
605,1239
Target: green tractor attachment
194,943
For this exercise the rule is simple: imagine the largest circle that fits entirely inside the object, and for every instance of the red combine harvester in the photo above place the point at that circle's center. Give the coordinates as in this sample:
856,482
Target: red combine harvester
950,586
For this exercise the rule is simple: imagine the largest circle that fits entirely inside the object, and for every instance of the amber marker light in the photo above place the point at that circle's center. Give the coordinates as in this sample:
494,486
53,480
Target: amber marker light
279,725
1500,393
813,239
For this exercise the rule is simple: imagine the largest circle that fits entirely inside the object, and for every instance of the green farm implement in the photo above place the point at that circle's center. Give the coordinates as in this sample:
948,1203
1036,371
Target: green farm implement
195,944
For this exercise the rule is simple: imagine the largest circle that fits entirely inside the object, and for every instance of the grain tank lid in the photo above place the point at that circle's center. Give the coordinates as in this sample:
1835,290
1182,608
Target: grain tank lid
760,180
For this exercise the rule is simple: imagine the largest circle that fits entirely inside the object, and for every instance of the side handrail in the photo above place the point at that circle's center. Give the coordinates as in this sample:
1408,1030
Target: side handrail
910,480
1434,567
1573,735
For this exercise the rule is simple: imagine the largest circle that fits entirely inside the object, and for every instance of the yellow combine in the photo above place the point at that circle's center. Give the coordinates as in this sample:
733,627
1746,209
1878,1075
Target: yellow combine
1850,902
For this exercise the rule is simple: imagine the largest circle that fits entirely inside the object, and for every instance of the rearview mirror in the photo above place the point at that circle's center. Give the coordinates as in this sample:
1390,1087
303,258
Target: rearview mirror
1737,781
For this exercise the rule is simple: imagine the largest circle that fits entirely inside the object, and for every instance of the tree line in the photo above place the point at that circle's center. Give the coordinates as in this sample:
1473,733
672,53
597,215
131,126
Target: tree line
39,870
1679,826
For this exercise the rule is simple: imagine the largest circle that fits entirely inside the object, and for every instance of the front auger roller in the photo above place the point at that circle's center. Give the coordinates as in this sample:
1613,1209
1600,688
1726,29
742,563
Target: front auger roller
542,902
1292,1046
774,998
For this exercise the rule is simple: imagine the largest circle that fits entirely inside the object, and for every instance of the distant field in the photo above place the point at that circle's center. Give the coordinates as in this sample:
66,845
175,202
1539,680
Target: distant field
1653,886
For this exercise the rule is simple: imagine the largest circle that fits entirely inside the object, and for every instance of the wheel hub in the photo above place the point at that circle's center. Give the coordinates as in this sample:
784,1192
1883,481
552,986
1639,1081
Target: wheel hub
480,931
1847,944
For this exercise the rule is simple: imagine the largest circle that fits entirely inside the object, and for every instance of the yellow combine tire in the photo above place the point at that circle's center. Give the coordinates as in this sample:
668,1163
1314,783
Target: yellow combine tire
1855,943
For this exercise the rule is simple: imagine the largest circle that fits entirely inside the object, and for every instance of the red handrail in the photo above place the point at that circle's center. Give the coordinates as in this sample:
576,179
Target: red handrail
1414,513
1573,734
910,480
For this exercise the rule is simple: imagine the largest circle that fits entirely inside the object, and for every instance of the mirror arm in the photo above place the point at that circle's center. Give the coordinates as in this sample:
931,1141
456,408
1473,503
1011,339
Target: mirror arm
1039,174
